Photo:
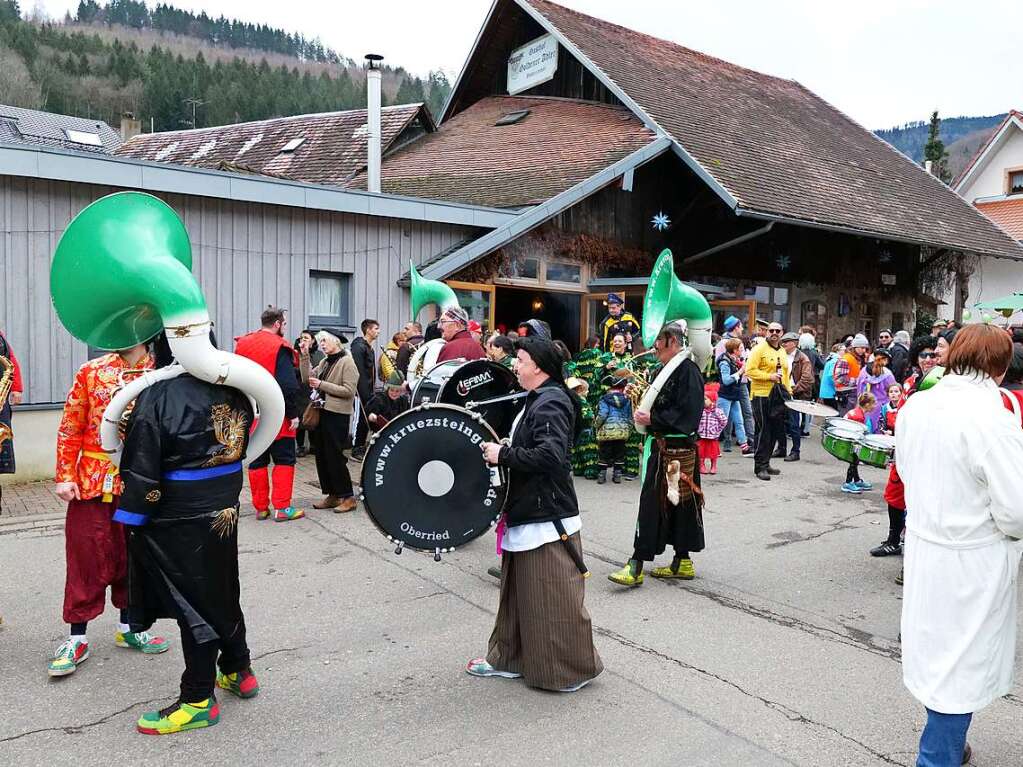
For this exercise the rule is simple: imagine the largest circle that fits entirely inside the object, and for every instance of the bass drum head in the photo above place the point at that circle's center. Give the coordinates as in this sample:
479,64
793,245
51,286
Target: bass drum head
425,483
428,387
480,380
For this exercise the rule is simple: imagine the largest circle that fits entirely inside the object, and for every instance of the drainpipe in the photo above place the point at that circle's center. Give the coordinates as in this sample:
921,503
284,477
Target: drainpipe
373,121
730,243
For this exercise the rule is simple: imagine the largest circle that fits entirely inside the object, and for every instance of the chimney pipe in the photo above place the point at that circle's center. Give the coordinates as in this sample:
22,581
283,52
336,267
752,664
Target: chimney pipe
130,126
928,165
373,121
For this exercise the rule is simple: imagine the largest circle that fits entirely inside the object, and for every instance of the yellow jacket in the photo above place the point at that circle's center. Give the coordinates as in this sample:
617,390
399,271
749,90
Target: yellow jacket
764,360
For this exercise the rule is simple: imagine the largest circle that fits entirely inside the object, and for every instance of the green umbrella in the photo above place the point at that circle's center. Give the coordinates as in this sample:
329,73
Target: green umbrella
1006,306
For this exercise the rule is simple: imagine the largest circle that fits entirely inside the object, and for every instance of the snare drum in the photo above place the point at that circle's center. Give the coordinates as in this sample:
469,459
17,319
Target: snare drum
841,441
876,450
427,389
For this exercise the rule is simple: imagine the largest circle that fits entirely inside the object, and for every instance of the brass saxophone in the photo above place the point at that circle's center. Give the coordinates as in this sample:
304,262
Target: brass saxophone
6,382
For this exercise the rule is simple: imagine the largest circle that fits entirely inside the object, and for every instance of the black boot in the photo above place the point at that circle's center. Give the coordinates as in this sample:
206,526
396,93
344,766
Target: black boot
602,477
793,456
616,475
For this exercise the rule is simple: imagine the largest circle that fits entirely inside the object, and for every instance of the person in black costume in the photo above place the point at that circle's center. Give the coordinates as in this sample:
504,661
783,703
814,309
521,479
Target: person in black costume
182,472
671,501
387,404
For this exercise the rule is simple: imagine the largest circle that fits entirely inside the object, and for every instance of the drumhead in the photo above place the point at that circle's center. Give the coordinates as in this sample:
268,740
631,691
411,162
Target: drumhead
845,424
481,380
424,480
880,441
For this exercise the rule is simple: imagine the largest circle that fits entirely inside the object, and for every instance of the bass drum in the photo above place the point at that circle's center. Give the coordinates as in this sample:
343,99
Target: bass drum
461,383
425,484
427,388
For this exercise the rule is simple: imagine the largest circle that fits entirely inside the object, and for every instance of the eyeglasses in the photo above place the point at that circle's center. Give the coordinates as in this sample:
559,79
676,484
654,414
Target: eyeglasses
774,331
927,355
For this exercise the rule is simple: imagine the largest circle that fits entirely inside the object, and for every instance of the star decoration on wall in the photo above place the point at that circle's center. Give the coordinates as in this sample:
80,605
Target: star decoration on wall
661,221
783,262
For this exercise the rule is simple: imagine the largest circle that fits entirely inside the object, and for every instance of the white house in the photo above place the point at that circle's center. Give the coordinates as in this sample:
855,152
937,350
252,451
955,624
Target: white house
993,182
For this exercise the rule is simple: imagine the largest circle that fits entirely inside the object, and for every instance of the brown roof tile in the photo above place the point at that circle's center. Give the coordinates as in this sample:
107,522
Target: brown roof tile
1008,214
776,147
470,160
334,149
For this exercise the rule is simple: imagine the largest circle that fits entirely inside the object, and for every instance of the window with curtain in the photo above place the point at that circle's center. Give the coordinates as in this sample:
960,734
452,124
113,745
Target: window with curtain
1016,182
329,299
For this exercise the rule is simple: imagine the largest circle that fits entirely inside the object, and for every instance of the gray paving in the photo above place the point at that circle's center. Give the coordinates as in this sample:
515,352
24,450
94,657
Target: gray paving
784,651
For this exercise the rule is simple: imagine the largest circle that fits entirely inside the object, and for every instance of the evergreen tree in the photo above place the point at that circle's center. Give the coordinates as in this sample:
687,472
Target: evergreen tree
439,90
934,150
410,91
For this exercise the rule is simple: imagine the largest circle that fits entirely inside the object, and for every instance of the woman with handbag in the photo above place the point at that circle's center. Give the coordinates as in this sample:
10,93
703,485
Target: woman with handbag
335,380
315,358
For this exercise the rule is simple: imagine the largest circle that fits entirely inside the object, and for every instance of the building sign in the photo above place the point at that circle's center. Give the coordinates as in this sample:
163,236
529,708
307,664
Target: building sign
532,64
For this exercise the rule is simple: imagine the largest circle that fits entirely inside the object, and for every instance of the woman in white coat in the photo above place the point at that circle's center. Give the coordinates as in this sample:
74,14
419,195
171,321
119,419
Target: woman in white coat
960,453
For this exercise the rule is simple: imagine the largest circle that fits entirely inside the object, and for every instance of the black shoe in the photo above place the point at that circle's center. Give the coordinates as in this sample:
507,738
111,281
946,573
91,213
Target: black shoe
762,474
805,433
779,453
886,549
602,477
616,475
773,472
358,453
301,453
967,754
494,571
793,456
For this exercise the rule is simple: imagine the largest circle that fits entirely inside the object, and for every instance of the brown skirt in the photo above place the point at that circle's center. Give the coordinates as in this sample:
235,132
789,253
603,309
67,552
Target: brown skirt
542,629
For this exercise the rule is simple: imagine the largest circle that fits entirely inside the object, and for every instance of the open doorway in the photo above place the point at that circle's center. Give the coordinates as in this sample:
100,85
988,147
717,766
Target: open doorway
560,310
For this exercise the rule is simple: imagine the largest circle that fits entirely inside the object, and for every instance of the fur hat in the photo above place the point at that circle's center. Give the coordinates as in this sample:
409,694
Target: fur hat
859,342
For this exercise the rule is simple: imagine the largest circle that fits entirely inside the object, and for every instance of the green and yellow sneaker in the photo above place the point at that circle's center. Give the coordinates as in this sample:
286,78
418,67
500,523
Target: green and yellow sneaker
685,572
142,641
68,657
179,717
241,683
626,577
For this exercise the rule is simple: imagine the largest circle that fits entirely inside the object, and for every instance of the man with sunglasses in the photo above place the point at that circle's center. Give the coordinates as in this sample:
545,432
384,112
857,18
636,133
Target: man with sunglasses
767,369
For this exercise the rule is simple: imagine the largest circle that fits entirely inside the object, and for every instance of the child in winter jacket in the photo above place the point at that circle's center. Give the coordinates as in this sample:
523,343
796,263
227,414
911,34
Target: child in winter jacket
712,423
614,427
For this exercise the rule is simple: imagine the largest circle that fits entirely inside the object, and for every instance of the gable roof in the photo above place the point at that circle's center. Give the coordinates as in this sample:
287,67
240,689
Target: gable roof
30,126
767,146
559,143
334,149
1008,214
988,149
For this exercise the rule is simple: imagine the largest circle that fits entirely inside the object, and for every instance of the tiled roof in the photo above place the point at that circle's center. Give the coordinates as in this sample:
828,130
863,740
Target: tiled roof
1013,115
774,146
1008,214
28,126
334,149
471,160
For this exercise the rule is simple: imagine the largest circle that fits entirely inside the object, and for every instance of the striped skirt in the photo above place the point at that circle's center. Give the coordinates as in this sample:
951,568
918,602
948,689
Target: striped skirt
542,629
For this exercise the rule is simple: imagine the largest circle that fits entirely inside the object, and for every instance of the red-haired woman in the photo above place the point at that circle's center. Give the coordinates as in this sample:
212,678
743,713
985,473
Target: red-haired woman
959,452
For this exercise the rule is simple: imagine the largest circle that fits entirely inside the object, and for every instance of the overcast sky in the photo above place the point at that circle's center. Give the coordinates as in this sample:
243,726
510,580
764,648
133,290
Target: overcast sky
883,62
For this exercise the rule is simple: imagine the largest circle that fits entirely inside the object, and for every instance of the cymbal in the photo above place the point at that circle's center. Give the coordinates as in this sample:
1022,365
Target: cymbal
811,408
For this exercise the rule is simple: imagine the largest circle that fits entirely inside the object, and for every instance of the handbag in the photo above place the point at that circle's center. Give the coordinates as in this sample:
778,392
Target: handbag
311,416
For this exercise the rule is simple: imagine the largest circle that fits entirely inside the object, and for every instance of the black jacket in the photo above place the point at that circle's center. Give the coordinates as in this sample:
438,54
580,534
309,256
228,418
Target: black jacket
900,362
540,459
362,354
679,404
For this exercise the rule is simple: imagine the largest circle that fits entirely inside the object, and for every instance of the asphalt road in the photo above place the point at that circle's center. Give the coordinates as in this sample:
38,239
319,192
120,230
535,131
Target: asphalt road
784,650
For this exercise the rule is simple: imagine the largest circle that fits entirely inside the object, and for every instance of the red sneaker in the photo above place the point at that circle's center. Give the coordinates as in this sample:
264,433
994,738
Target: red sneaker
241,683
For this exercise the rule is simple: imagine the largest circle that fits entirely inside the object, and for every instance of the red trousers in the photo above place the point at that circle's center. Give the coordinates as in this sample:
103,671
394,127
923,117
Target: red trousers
97,557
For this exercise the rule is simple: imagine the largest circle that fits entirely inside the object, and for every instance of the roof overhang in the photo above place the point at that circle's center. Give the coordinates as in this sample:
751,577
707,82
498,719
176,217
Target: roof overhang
765,216
105,170
534,217
988,151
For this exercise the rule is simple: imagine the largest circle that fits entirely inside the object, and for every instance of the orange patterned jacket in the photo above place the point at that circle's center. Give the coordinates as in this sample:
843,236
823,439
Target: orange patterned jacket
78,434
